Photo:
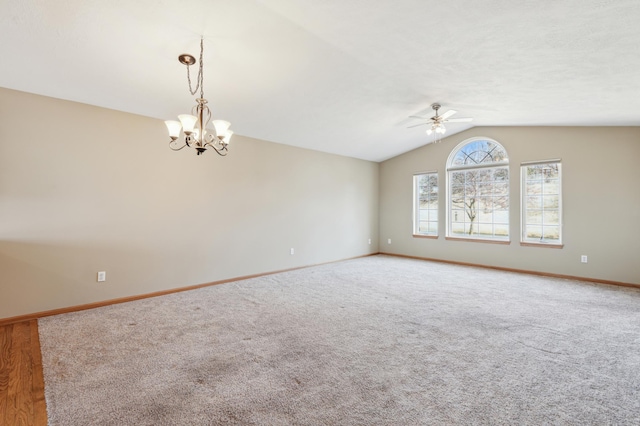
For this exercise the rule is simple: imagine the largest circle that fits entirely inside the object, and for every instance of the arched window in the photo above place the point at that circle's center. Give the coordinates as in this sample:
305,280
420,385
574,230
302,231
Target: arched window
478,183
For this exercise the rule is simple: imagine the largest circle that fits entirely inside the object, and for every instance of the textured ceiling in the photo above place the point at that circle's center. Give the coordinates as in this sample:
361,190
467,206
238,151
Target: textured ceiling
340,76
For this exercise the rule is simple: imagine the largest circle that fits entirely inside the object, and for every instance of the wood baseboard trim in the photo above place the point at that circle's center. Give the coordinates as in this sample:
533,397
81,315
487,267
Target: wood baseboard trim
521,271
76,308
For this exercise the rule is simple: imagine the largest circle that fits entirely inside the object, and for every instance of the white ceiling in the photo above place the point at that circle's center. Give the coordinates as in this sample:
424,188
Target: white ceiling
339,76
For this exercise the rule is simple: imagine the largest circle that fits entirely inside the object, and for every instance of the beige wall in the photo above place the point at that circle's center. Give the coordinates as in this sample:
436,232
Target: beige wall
601,178
110,195
85,189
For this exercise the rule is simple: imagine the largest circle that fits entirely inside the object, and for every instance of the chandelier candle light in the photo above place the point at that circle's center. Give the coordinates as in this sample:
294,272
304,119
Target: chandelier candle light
194,126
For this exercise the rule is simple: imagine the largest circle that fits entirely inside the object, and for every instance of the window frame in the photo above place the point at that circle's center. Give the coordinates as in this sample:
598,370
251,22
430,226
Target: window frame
451,168
542,242
416,206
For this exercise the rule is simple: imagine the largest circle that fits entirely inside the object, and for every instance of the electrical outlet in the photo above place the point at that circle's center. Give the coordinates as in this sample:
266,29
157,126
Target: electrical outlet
389,241
583,258
293,251
369,240
102,276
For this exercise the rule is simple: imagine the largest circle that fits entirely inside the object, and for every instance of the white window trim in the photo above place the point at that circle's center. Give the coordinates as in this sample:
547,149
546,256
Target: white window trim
451,168
416,207
523,193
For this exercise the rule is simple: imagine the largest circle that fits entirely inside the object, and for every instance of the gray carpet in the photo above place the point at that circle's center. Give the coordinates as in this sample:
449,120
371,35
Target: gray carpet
372,341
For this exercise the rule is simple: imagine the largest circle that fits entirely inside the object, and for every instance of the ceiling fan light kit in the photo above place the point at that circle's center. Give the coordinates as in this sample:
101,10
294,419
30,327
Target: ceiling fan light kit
195,126
436,122
437,126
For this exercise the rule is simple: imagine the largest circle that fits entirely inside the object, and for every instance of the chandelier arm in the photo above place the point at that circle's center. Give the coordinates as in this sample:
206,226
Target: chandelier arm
222,151
206,116
202,112
210,139
176,149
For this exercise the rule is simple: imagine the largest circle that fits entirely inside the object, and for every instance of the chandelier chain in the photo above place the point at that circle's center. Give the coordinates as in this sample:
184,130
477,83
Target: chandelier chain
200,84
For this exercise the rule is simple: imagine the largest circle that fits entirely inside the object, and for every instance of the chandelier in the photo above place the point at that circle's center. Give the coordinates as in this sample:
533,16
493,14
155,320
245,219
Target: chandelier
195,126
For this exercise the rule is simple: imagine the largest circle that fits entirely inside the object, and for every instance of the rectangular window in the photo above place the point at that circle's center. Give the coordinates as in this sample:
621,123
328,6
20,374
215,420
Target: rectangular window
425,200
542,202
479,206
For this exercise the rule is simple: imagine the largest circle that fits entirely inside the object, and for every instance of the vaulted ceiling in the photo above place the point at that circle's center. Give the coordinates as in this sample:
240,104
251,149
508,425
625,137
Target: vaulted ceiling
339,76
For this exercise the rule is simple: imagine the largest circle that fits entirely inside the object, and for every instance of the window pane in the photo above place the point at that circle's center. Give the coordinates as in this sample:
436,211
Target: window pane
550,201
551,232
501,216
426,203
485,203
458,203
458,215
534,217
502,174
470,228
534,203
533,188
552,187
541,203
457,229
550,171
484,175
501,188
534,231
485,188
477,193
484,217
551,217
501,230
534,173
457,178
470,178
479,152
485,230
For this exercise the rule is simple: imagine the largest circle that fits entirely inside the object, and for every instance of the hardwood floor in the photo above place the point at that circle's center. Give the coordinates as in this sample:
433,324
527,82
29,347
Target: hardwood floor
21,380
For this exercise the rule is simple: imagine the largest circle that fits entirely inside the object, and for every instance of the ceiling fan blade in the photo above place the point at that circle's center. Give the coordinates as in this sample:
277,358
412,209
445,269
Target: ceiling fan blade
416,125
421,118
459,120
448,114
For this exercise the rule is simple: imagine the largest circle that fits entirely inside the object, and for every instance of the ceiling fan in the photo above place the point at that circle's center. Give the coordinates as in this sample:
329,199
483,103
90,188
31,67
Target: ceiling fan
437,121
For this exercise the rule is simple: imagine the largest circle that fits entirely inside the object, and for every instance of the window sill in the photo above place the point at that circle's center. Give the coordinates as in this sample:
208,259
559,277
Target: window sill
479,240
544,245
433,237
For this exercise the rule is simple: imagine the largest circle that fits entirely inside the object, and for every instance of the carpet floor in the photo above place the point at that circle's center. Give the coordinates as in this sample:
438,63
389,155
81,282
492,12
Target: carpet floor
378,340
